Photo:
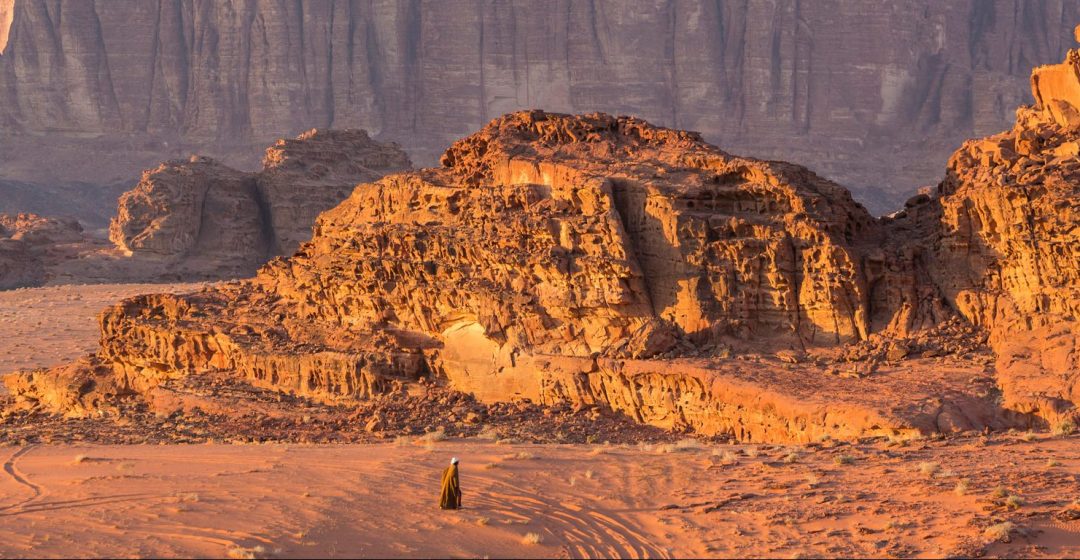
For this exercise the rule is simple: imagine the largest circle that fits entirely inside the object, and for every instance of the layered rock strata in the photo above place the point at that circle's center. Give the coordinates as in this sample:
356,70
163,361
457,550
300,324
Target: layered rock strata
200,216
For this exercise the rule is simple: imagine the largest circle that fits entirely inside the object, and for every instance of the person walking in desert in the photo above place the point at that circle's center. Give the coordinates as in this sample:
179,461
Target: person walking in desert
451,487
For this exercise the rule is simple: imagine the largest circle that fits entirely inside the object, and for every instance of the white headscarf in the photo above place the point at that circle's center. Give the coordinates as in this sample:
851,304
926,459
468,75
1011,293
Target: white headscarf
453,460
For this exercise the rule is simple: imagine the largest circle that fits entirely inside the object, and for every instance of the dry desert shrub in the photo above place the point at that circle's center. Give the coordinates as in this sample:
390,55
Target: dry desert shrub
1028,436
999,493
962,487
439,434
532,538
929,469
1051,463
726,458
521,456
1013,502
589,474
481,521
1064,428
489,466
843,459
1002,532
79,459
791,458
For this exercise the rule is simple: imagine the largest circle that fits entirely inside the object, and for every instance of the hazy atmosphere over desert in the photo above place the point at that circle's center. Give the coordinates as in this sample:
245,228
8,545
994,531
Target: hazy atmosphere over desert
539,278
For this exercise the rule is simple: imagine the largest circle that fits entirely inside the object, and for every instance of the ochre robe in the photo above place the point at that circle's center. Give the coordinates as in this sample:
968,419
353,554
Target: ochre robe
451,489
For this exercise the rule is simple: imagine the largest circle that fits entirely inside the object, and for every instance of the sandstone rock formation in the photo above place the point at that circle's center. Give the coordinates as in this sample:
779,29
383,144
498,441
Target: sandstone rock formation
596,260
28,243
202,217
96,90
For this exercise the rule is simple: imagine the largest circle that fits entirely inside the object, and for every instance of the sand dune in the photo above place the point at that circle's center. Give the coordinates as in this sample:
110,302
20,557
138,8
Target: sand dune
582,501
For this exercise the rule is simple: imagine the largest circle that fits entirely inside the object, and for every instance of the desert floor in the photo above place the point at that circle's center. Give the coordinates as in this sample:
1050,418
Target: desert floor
43,327
581,501
927,497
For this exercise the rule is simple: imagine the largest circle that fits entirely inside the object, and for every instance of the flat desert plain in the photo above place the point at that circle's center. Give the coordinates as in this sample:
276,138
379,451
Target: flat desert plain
999,495
43,327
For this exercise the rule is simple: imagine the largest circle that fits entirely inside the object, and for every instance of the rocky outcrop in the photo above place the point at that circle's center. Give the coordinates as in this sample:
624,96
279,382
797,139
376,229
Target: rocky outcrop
201,217
1011,214
304,176
586,260
28,244
96,90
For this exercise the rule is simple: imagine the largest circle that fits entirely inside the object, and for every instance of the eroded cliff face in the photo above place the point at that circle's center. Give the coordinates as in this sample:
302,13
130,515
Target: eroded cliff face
202,217
595,260
875,97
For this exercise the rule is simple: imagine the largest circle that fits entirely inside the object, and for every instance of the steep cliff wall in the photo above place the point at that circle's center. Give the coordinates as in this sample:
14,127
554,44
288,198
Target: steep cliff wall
875,96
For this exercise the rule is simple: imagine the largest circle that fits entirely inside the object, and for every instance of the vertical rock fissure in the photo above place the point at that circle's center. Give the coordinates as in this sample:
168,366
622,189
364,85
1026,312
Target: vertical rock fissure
621,207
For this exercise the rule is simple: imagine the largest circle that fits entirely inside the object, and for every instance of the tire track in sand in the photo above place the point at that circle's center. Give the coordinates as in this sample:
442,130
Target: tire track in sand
12,469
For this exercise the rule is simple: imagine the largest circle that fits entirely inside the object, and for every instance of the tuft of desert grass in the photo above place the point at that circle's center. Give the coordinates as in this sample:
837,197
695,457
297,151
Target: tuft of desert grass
532,538
1064,428
438,434
489,466
962,487
929,468
1002,532
843,459
521,456
999,493
726,458
481,521
1028,436
589,474
1014,502
79,459
1051,463
791,458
